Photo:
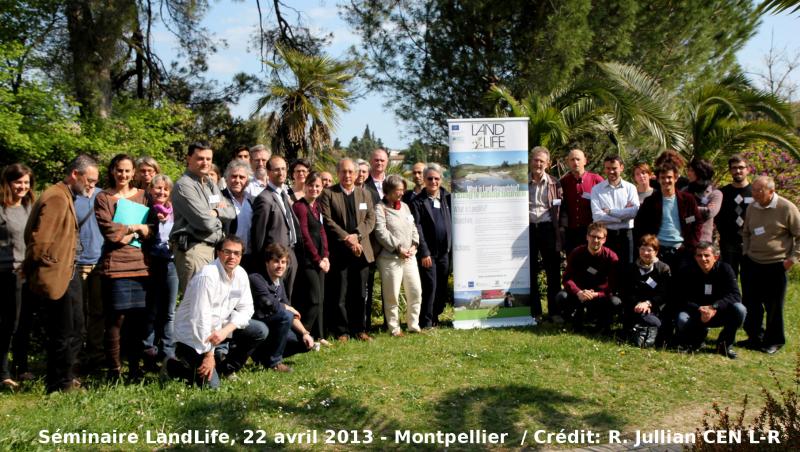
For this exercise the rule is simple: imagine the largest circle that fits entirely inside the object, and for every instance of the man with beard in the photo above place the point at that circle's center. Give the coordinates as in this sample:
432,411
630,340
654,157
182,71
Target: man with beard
52,241
736,196
259,156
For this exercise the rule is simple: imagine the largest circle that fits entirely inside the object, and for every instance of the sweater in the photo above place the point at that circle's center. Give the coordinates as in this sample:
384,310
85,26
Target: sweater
772,234
394,229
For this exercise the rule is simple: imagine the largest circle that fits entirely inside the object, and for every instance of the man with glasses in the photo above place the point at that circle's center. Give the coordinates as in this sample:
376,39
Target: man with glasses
431,211
590,281
274,221
771,246
52,245
259,156
544,202
214,331
736,196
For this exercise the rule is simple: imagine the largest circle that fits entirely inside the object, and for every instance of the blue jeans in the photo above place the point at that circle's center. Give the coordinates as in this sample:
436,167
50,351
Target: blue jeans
161,299
691,331
270,353
239,348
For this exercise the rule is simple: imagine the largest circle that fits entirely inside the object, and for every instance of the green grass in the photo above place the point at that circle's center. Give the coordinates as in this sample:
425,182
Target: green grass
492,313
501,380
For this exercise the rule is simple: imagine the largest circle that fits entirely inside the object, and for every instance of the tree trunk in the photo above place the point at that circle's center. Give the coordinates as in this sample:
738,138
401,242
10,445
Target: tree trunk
95,27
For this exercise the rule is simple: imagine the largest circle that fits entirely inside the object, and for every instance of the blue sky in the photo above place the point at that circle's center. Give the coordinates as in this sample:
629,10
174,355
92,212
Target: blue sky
235,21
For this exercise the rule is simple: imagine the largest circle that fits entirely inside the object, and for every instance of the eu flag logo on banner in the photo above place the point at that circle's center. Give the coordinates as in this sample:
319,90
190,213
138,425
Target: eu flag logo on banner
454,127
471,284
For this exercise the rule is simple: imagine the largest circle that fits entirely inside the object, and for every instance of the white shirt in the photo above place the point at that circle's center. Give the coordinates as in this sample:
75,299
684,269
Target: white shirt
254,188
616,199
244,218
212,300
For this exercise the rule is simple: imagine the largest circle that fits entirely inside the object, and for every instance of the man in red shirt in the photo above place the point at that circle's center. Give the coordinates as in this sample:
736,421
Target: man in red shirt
576,208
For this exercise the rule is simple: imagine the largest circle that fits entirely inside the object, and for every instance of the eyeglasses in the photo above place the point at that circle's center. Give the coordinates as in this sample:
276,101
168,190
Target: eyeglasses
235,253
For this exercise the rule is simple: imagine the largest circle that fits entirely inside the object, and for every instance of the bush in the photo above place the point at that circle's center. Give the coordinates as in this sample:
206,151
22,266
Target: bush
780,413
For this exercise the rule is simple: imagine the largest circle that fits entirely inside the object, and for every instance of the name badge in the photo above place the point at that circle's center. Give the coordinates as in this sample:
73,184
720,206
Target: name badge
321,221
556,202
759,230
437,204
236,293
704,200
362,206
411,218
651,282
586,195
591,271
690,219
748,199
707,289
213,199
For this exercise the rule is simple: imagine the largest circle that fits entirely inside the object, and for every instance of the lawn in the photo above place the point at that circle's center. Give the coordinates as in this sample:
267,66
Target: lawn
512,381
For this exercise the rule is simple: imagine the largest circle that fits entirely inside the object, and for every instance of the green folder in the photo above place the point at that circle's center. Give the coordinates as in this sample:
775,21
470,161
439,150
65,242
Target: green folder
129,212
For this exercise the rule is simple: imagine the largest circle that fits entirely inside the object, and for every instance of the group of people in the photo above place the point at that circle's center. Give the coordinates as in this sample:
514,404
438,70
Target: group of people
266,269
664,254
269,268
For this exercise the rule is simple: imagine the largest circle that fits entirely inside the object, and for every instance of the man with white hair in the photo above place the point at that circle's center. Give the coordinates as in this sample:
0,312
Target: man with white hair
771,246
259,156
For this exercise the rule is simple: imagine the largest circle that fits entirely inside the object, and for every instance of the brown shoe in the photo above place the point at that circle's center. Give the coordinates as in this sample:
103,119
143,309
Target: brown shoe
364,337
343,338
397,333
281,367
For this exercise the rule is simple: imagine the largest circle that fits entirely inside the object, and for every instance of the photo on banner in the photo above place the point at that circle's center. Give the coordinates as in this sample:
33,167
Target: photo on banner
489,168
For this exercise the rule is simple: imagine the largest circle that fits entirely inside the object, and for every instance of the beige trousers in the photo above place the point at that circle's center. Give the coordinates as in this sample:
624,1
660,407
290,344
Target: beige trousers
395,271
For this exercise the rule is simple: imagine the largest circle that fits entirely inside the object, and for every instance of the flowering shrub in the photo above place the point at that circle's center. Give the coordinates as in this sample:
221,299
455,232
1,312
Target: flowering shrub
782,166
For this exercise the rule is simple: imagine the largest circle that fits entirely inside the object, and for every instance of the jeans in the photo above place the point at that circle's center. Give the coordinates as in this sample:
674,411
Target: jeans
691,331
9,314
270,352
161,298
240,346
601,309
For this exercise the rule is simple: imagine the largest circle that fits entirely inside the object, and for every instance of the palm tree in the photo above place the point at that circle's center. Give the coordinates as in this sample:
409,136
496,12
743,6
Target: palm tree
779,6
620,103
308,107
730,116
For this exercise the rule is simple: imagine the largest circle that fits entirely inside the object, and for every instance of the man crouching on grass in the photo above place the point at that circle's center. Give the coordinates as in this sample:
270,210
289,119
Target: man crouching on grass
287,333
213,320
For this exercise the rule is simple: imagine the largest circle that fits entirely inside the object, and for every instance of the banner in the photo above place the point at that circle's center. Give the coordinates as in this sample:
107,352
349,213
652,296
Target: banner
489,167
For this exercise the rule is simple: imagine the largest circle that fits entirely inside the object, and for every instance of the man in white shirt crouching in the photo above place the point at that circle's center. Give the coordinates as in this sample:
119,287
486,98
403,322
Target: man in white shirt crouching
214,331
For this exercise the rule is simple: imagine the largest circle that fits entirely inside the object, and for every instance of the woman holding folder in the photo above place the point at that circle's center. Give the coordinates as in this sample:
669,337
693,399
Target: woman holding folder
122,211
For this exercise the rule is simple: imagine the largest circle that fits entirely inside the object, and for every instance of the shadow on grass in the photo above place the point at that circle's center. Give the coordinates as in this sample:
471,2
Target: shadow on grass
321,411
503,409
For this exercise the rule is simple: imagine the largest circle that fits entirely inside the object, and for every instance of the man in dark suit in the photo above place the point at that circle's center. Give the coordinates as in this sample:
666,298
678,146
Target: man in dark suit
373,184
274,221
431,210
349,217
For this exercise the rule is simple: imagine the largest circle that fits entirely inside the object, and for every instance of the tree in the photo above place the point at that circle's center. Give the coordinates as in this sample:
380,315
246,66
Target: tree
779,6
308,105
622,103
434,58
362,148
731,116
